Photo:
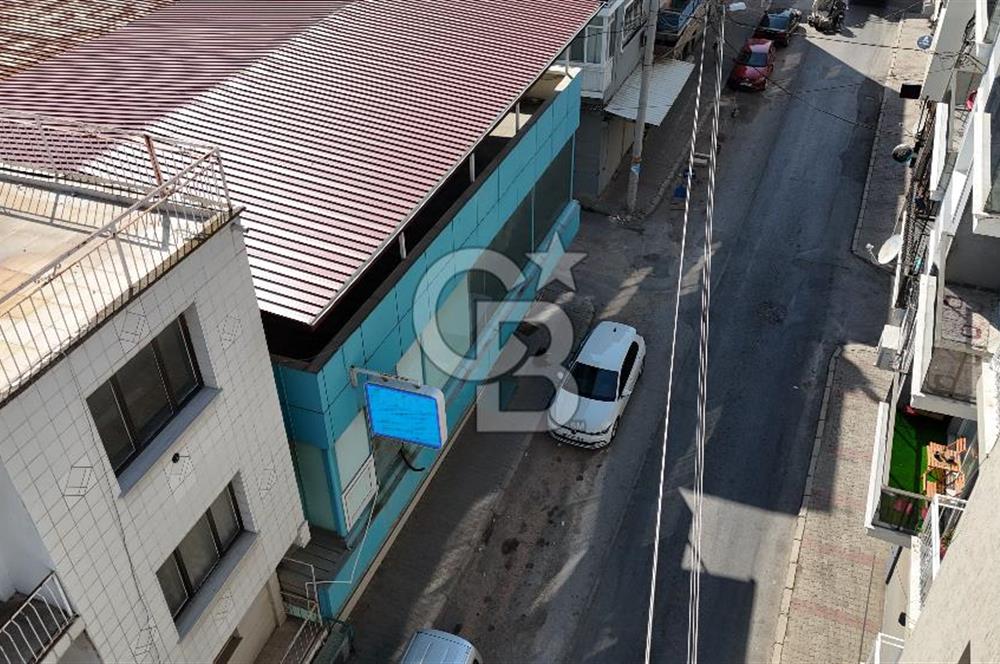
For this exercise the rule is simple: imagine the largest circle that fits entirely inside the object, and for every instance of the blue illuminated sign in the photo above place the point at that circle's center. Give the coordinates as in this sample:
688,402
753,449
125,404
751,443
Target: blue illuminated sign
406,412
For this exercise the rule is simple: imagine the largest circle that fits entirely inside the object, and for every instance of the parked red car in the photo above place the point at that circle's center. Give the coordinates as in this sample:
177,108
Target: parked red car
754,65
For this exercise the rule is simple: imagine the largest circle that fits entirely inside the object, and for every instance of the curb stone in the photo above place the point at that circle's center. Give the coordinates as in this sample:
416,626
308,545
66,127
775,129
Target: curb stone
800,525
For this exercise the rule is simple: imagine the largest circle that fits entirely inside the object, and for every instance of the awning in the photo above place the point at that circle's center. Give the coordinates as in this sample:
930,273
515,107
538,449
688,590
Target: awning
665,83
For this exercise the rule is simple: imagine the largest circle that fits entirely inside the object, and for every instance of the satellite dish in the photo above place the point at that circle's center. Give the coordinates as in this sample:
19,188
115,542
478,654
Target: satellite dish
902,153
890,249
924,42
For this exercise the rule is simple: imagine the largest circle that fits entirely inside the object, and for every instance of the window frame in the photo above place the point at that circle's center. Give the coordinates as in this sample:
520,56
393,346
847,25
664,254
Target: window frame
631,24
190,589
136,443
594,30
614,32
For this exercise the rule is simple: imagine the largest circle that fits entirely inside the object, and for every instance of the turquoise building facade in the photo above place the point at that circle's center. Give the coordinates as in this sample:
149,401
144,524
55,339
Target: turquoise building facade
518,204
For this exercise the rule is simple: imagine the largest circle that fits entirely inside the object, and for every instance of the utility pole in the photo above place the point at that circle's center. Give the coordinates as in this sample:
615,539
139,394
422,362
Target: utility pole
640,119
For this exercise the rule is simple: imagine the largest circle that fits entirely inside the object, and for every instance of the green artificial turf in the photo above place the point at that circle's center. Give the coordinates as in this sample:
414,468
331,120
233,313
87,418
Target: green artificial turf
909,450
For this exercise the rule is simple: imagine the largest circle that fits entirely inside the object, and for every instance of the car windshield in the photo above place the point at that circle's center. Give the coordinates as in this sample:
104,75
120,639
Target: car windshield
753,58
777,21
594,383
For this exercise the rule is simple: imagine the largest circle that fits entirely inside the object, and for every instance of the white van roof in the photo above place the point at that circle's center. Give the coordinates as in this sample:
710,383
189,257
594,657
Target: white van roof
432,646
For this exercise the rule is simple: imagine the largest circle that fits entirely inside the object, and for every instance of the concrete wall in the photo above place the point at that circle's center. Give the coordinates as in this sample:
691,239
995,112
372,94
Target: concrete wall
24,562
964,601
972,257
99,535
255,627
324,411
602,140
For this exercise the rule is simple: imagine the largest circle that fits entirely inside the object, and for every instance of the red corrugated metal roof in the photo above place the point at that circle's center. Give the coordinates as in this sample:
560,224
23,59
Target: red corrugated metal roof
33,30
332,139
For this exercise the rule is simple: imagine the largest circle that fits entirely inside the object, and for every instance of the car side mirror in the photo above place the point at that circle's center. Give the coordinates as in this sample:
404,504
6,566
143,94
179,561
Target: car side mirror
560,374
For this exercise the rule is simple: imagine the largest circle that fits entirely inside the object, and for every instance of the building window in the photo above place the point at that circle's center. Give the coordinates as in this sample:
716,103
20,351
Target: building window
633,17
588,45
614,37
138,401
189,566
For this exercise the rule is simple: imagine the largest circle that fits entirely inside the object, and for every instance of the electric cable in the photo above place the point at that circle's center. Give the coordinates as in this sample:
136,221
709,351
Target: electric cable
673,356
694,622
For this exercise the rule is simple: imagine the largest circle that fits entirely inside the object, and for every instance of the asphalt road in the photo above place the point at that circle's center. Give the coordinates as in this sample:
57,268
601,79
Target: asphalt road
538,552
786,292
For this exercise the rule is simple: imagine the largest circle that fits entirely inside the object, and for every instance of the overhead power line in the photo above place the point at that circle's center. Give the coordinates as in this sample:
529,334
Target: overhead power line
651,611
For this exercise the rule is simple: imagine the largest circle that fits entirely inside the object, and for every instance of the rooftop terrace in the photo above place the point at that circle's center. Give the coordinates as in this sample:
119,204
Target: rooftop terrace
89,217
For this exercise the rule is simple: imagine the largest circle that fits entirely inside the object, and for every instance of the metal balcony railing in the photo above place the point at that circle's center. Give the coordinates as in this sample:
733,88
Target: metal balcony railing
132,205
900,510
42,618
886,649
939,529
310,632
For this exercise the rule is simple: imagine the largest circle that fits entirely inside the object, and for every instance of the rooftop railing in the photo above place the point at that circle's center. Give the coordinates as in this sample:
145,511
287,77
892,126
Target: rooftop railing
131,205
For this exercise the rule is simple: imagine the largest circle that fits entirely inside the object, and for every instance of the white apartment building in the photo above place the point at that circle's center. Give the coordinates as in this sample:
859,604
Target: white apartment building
608,53
943,339
147,493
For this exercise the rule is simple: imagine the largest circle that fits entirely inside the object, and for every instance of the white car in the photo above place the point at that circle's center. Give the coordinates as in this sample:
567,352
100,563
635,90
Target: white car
432,646
590,400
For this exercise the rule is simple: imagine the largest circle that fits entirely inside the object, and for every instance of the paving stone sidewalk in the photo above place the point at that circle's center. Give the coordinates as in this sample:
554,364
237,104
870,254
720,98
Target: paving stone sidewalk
887,179
832,606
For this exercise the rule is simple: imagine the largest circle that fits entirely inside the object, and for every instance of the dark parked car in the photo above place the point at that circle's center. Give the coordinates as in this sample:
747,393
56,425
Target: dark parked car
778,26
754,65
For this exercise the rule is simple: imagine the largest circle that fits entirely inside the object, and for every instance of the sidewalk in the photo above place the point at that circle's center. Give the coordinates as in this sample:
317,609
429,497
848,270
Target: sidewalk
885,189
453,523
665,148
832,605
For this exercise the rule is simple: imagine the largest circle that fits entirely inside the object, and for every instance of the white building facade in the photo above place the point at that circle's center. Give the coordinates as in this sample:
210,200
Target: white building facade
147,493
943,339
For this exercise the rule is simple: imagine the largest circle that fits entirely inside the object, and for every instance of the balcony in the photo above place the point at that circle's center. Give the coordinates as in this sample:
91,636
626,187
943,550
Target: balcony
949,48
89,217
986,164
951,121
919,459
885,650
672,21
607,50
943,516
956,331
33,623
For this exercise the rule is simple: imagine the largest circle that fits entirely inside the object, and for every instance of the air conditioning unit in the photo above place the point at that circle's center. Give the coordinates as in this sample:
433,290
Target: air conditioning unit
890,344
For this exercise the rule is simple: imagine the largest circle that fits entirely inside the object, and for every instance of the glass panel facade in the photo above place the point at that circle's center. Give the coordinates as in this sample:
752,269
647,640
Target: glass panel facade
553,192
